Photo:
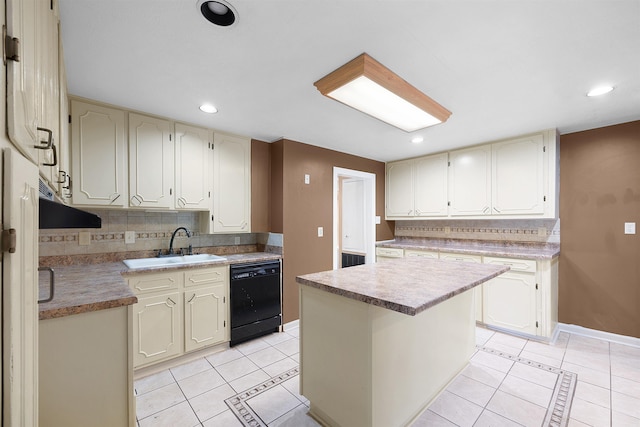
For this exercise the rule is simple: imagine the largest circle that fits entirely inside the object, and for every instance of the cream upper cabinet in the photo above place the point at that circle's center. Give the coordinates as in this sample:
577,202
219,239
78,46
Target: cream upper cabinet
430,185
231,184
98,155
193,157
399,189
517,178
470,181
23,77
151,162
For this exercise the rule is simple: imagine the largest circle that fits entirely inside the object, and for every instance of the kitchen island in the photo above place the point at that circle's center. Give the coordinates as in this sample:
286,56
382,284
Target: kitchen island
378,342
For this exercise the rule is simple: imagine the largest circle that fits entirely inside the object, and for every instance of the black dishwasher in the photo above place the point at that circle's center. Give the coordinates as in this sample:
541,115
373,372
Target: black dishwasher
255,300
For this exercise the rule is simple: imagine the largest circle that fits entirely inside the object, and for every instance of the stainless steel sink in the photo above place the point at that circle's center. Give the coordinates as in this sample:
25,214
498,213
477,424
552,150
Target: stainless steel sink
171,261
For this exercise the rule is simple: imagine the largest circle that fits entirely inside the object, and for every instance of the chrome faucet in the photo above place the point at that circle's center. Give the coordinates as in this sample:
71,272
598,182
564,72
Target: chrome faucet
173,237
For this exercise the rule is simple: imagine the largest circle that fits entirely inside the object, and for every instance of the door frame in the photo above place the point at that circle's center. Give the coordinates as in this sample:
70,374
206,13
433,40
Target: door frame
370,212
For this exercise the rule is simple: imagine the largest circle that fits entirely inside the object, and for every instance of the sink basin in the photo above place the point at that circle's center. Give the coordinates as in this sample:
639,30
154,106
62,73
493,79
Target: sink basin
171,261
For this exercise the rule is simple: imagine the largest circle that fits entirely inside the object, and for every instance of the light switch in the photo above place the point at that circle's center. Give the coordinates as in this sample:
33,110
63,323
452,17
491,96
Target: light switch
377,219
307,178
629,228
320,231
129,237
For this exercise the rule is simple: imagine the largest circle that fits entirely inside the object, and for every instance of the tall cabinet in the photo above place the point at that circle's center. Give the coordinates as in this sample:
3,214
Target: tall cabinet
231,184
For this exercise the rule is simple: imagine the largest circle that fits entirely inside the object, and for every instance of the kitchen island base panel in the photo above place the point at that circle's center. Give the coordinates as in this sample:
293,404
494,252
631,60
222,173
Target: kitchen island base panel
363,365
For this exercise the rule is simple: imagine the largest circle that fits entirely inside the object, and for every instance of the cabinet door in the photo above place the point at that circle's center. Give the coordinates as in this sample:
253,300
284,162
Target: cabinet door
431,185
517,178
470,182
205,316
157,328
49,87
20,293
231,184
151,162
98,155
22,77
193,162
399,188
509,301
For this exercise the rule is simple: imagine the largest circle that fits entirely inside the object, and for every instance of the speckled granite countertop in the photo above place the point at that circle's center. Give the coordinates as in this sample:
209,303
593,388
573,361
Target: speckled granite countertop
477,247
93,287
405,285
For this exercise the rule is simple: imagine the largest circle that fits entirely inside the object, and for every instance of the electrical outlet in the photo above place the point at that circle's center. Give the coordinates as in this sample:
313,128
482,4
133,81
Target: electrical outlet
84,238
542,231
629,228
447,230
237,240
129,237
320,231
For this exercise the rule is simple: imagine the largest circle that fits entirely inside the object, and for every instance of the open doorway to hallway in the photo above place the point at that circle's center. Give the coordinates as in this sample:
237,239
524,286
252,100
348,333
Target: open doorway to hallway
354,229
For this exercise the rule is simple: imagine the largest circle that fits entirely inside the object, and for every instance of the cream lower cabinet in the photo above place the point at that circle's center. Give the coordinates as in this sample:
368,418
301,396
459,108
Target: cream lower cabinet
178,311
477,291
385,254
524,299
157,328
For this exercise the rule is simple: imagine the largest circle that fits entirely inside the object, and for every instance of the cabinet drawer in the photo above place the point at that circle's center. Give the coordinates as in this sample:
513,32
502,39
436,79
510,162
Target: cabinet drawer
153,282
206,276
448,256
516,264
390,252
418,253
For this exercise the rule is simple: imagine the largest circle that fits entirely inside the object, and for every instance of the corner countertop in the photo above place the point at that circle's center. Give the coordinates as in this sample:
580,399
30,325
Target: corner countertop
405,285
529,250
92,287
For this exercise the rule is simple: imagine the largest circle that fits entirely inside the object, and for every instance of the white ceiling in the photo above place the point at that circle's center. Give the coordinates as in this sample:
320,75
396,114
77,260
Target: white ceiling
503,67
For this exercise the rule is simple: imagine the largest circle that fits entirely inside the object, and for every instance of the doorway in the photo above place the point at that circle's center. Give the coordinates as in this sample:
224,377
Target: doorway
354,220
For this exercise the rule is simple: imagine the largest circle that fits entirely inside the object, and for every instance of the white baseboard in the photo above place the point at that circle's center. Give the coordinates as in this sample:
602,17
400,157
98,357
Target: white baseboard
594,333
292,324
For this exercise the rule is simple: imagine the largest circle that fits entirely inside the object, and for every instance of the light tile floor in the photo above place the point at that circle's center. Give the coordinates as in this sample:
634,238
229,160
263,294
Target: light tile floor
492,391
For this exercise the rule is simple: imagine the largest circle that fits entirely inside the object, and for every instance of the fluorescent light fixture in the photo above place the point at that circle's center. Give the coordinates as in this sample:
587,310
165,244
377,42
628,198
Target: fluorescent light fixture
208,108
417,139
370,87
600,90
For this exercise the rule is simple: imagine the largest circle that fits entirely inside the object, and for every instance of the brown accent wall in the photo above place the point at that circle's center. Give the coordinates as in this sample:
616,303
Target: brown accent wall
260,186
307,207
599,272
277,176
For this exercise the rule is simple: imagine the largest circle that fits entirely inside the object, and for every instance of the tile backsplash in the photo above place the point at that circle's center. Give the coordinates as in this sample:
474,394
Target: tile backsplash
152,231
520,230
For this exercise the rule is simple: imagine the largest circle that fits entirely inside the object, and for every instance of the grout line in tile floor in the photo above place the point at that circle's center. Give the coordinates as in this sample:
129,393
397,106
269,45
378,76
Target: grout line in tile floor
509,381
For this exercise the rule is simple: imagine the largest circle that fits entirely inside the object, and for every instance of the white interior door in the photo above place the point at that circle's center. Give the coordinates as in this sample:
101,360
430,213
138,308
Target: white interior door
353,215
20,293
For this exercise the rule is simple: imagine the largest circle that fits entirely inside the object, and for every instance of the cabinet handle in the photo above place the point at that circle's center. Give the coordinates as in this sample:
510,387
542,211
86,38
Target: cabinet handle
418,211
136,199
62,174
496,209
55,157
409,213
116,198
48,142
485,209
52,285
191,299
169,299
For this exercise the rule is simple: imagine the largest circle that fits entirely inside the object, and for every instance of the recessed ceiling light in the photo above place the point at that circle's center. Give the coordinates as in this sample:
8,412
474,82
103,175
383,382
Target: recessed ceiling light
600,90
417,139
218,12
208,108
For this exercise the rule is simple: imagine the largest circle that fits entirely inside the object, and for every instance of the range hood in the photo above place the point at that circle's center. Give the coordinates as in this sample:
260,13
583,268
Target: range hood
54,214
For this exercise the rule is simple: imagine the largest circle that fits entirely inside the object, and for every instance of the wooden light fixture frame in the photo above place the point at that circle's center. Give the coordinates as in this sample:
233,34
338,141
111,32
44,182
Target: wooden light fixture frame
366,66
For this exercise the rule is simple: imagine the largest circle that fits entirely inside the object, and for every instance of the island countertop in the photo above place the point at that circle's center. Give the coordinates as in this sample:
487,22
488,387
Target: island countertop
405,285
